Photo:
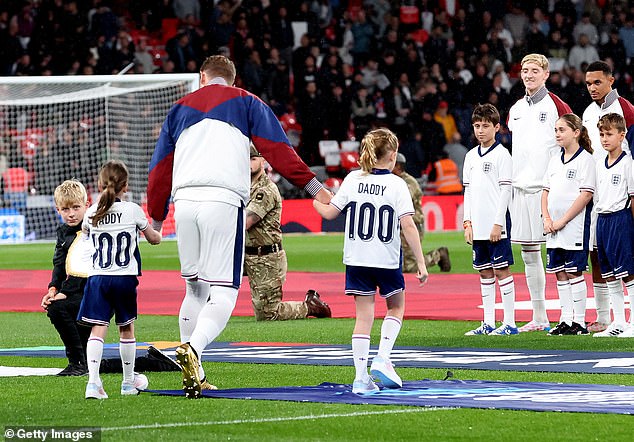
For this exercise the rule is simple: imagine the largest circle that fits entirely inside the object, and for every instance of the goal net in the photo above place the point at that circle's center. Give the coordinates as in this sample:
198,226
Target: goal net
57,128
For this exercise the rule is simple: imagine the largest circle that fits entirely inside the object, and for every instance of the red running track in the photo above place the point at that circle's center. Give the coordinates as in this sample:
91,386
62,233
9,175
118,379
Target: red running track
446,296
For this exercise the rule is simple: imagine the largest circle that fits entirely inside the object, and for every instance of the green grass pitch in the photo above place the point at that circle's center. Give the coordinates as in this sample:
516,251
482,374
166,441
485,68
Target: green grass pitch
53,401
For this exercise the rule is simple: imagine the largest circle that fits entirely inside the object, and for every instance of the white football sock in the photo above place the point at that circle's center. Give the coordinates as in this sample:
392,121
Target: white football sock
565,301
94,352
602,302
507,289
389,332
579,291
487,290
213,318
629,286
536,281
127,351
360,355
196,295
617,300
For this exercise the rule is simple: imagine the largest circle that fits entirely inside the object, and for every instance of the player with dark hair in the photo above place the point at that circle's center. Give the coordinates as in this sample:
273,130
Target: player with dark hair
487,179
201,161
605,100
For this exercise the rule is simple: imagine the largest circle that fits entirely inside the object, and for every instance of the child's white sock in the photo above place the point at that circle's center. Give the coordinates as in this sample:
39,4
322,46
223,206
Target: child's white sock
617,299
487,289
360,355
629,286
579,291
602,301
127,351
536,281
507,289
94,352
389,332
565,301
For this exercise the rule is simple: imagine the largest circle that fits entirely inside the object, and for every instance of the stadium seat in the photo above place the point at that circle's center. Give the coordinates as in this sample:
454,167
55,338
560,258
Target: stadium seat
16,185
333,184
350,146
332,160
328,146
349,161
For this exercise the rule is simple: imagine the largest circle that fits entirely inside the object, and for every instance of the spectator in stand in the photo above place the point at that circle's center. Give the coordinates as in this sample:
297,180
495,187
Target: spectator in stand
282,35
516,21
183,8
584,26
337,110
310,114
447,120
614,49
363,34
560,26
626,33
432,137
363,112
582,52
143,57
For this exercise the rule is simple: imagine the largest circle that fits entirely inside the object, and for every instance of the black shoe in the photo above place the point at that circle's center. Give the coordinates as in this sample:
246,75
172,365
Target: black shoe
164,361
577,329
444,262
74,369
317,307
560,330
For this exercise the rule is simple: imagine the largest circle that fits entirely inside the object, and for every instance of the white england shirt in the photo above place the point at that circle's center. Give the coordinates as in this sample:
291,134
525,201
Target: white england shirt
564,180
374,204
615,184
485,171
116,239
613,103
532,122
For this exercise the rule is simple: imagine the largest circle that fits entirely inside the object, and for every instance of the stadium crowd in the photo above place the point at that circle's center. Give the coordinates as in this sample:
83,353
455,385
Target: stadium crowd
415,66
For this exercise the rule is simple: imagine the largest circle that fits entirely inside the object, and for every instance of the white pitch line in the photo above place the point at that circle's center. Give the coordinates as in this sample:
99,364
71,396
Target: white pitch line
277,419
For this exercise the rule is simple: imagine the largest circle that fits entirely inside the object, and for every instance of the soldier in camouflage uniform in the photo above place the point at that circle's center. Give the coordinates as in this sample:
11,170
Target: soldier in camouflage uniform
438,256
265,260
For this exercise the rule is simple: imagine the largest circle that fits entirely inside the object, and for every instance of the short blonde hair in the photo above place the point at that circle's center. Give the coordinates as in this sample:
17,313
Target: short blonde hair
539,59
70,192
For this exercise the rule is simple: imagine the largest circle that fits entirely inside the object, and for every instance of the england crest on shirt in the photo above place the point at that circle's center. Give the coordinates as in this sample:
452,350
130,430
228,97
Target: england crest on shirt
487,167
542,117
571,174
616,180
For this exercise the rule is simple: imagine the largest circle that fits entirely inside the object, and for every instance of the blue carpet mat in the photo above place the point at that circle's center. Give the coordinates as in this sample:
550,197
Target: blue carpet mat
566,361
542,396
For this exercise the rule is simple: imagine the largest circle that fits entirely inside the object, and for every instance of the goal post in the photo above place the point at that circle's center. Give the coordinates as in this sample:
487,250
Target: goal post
60,127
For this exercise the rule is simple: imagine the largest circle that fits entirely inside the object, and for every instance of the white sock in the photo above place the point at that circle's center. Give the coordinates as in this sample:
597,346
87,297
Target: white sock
127,351
565,301
629,286
196,295
616,299
536,281
487,289
94,352
389,332
602,301
360,355
579,291
213,319
507,289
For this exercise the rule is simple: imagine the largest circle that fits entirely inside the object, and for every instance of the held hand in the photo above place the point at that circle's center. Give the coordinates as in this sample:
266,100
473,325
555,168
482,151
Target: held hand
558,225
496,233
548,226
48,298
468,235
324,196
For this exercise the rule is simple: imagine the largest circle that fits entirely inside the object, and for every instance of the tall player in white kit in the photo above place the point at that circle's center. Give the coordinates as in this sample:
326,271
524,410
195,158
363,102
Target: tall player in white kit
532,121
605,100
202,161
377,205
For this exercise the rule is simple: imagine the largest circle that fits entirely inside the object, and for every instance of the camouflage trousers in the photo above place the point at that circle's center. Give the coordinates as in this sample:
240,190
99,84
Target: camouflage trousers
409,260
266,276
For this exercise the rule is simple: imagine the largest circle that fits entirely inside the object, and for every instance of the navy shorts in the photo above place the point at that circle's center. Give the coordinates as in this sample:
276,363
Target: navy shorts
363,281
105,296
487,254
615,243
571,261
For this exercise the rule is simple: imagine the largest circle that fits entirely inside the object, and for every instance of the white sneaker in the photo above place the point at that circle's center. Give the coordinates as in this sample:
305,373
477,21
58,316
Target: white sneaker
613,330
383,370
94,391
364,386
131,389
534,326
628,333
